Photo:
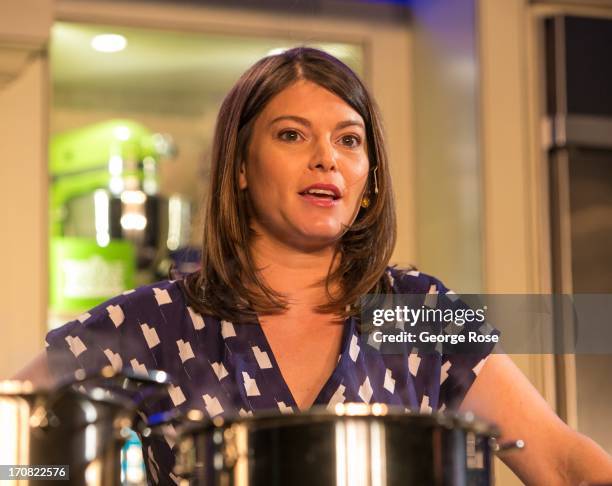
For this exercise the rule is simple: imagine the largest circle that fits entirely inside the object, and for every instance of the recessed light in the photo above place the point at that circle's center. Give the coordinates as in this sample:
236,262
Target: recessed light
109,43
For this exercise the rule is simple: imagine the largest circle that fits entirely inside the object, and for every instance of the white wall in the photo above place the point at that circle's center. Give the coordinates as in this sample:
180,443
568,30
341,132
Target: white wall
23,216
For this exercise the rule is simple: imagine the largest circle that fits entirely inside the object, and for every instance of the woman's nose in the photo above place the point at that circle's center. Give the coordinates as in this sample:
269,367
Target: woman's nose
324,156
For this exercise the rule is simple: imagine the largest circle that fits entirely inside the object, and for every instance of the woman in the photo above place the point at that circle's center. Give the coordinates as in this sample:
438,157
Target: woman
300,223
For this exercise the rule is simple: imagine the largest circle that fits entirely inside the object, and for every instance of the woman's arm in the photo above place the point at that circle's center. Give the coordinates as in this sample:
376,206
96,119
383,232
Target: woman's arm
554,454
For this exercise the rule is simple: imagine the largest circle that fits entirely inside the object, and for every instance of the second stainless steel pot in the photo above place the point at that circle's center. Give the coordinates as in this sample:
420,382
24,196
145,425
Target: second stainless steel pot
352,445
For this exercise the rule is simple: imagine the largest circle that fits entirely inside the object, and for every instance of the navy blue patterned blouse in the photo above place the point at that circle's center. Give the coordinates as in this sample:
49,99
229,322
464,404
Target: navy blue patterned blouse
225,368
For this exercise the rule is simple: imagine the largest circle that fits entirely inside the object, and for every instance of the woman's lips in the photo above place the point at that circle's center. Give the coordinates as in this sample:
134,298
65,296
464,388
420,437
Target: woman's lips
323,202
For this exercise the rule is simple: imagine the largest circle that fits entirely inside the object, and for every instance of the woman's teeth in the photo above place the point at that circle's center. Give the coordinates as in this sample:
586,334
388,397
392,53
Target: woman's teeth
321,193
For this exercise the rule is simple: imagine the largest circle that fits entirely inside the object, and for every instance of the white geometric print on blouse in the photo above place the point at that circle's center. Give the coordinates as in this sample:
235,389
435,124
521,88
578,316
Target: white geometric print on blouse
389,383
175,479
485,329
114,359
453,328
414,273
213,407
153,466
444,371
337,397
227,329
116,314
425,408
196,319
263,360
476,369
372,342
439,348
176,395
250,385
185,351
150,335
219,370
83,317
76,345
138,368
244,413
431,299
413,363
391,279
365,391
354,348
452,296
284,408
162,296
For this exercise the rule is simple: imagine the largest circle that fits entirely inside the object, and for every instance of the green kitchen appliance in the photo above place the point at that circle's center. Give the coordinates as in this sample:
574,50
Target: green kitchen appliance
109,226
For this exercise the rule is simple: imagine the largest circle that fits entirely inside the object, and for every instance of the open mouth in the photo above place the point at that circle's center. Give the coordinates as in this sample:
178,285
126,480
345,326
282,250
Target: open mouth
323,194
322,197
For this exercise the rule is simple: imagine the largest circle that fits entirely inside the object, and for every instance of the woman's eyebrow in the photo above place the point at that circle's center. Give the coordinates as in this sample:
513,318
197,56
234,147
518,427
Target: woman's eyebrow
298,119
350,123
307,123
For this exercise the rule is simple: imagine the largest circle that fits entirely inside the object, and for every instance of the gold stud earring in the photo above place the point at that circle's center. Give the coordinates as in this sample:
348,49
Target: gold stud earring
365,202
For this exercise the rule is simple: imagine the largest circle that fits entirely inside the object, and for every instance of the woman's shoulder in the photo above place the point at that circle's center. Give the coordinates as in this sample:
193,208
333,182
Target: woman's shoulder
129,329
137,302
412,281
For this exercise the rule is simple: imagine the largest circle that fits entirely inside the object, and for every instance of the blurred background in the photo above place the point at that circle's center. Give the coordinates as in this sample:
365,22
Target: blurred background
498,117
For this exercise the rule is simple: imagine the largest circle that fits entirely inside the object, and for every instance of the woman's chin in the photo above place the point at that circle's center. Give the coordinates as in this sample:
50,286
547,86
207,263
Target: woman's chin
319,238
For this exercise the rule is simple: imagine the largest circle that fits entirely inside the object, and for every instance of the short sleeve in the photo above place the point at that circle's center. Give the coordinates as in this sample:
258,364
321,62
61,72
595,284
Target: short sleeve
458,365
124,332
141,331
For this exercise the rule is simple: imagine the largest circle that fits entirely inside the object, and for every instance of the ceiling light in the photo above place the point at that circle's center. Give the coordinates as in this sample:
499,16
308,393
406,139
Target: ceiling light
109,43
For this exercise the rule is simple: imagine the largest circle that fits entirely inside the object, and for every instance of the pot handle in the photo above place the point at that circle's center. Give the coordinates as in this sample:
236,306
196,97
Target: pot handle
125,380
510,445
107,380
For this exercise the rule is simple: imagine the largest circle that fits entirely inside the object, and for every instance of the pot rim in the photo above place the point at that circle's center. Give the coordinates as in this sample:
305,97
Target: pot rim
195,421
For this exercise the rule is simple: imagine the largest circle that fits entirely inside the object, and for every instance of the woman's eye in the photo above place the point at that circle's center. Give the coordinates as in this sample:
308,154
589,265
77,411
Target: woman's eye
351,141
289,136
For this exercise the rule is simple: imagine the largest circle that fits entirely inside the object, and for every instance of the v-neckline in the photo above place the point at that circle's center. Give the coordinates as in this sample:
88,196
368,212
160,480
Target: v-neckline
347,333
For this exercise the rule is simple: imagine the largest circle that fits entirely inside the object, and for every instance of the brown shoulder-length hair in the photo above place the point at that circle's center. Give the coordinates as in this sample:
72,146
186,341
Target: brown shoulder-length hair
228,285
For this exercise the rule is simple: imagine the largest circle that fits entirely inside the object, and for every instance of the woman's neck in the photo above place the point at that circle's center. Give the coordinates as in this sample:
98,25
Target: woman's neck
294,273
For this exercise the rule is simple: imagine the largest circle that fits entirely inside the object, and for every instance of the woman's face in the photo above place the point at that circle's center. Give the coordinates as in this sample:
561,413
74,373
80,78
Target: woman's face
306,167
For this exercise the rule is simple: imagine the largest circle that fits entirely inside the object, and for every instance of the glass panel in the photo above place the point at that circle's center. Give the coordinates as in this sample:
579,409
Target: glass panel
591,233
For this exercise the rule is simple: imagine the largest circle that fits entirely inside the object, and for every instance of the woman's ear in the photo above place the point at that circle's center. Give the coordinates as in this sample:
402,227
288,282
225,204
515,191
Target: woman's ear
242,181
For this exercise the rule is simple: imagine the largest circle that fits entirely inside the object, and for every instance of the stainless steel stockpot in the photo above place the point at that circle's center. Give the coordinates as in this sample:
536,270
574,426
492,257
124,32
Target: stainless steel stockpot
351,445
82,425
73,429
